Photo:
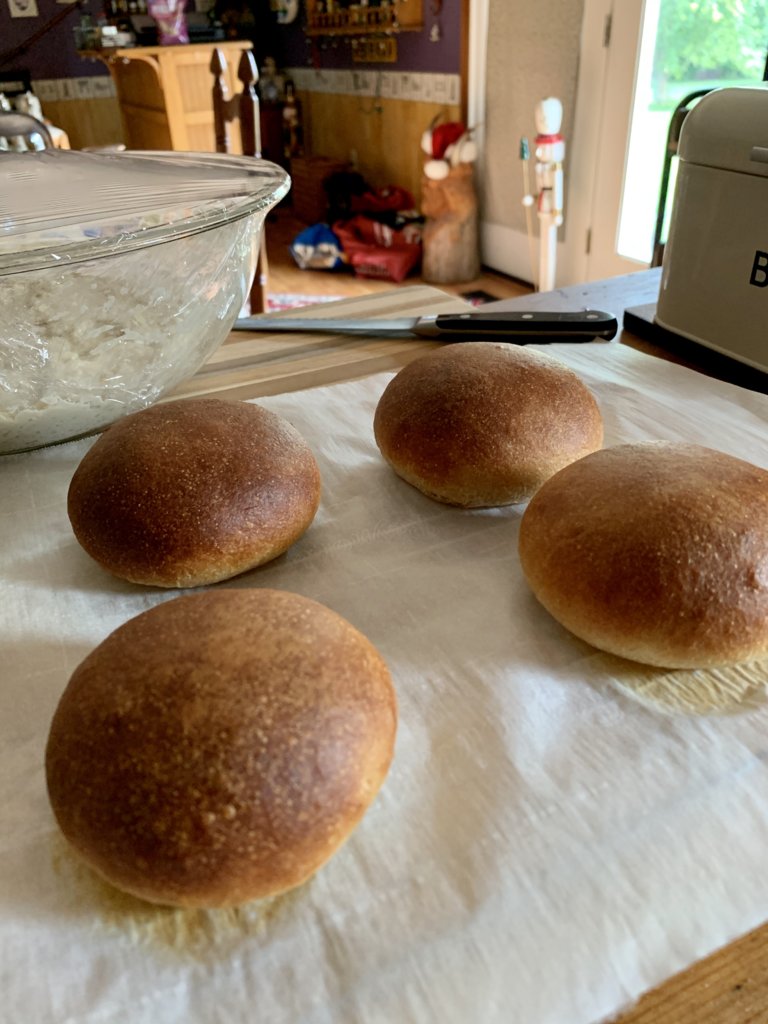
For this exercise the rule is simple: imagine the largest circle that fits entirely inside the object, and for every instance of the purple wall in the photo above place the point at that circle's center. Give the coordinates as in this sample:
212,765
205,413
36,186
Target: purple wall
55,56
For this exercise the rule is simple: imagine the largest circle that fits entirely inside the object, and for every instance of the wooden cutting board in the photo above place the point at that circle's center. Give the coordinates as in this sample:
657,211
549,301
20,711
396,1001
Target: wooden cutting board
252,364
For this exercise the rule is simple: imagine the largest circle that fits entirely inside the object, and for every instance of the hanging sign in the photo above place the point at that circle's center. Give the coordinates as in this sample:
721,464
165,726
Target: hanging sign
23,8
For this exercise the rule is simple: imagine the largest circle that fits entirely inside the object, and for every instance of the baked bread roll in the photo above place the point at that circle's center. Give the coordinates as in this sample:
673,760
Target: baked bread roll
657,552
192,492
481,423
220,747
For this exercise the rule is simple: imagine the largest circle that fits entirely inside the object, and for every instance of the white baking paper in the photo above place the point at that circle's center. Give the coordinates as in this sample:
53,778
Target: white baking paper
545,848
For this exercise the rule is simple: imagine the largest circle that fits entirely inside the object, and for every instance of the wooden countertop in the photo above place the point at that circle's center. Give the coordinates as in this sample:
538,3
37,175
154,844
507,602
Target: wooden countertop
638,292
126,52
731,986
249,365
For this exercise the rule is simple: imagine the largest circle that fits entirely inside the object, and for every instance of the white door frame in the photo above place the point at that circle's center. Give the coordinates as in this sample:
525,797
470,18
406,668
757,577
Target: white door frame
588,137
622,74
501,247
504,248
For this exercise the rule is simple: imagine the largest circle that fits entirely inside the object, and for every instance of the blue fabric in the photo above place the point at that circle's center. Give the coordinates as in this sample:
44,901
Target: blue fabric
317,248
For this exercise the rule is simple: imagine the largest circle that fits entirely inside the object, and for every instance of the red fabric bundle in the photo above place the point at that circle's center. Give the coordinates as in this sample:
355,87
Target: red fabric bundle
376,250
392,197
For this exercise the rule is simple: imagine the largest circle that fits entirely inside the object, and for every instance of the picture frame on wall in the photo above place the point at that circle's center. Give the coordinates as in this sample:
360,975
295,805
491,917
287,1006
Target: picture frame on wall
23,8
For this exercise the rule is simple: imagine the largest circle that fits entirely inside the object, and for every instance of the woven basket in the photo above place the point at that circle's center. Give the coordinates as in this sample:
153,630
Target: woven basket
308,173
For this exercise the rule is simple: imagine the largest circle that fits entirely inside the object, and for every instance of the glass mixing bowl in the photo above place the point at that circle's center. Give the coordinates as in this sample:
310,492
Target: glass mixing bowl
120,274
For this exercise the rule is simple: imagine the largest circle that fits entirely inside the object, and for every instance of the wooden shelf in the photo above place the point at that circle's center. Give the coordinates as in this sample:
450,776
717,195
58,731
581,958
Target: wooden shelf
397,16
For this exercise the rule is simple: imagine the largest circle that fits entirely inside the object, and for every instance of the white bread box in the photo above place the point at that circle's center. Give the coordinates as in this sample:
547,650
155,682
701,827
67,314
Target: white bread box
714,282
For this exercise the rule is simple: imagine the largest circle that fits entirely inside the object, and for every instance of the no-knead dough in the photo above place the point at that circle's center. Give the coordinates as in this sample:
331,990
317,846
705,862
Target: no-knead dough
657,552
221,746
479,424
193,492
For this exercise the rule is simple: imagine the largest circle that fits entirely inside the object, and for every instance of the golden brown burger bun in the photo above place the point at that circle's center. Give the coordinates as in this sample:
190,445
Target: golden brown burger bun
220,747
192,492
481,423
657,552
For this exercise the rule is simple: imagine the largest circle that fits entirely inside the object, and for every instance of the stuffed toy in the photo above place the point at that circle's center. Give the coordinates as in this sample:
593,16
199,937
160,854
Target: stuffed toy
447,145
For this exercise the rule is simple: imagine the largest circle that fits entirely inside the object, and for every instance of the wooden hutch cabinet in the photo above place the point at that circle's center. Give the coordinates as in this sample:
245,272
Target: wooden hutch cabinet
164,93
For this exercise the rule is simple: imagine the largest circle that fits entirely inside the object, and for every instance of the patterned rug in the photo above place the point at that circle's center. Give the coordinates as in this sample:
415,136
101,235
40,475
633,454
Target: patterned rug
478,297
290,301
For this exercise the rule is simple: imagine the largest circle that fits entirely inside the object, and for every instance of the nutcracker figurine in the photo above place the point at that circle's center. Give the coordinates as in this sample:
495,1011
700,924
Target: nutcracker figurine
549,152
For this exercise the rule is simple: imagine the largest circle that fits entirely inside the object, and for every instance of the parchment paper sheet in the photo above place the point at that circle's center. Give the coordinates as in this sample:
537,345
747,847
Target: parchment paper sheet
544,849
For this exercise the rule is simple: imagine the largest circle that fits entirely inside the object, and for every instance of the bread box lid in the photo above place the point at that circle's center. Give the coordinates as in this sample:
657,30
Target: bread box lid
728,129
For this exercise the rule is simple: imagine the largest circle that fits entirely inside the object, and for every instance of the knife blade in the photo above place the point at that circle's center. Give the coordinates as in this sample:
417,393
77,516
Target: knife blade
520,327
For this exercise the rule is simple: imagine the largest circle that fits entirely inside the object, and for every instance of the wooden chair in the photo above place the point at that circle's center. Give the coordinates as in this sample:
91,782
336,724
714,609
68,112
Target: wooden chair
244,109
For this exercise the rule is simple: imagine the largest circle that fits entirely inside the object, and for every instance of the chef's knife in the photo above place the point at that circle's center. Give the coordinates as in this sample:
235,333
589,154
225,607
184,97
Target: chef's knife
522,327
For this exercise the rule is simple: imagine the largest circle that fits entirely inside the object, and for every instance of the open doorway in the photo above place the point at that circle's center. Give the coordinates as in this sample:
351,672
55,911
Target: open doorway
660,52
620,67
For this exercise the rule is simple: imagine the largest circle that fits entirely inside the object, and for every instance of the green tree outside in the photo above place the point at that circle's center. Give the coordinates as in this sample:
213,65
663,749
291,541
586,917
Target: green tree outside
708,43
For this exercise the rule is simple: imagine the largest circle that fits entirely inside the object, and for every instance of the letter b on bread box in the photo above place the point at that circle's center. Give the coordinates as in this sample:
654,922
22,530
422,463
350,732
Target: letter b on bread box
759,275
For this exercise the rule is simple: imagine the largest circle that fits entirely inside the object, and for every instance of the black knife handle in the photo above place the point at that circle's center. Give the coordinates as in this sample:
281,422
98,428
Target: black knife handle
525,326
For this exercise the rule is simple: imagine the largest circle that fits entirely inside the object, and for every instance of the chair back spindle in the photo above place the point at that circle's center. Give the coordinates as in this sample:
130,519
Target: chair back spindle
244,109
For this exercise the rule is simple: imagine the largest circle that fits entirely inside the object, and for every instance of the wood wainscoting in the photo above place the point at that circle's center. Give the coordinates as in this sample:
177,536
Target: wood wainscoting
381,136
87,122
372,120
